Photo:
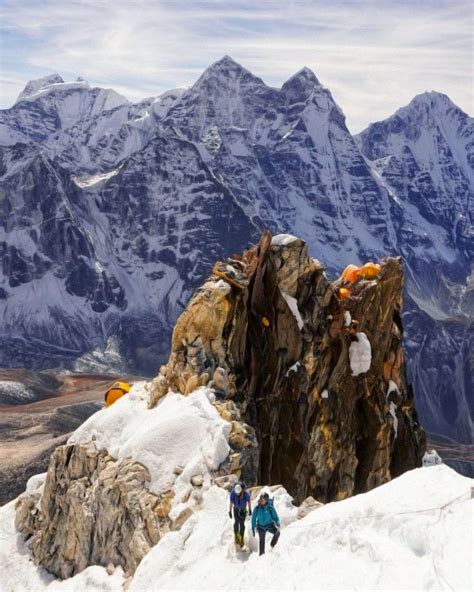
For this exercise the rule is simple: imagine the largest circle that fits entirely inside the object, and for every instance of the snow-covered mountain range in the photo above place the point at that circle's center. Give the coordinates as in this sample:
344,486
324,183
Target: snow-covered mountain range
111,213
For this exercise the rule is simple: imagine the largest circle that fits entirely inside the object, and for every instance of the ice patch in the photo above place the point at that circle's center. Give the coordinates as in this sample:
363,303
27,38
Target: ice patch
347,318
325,394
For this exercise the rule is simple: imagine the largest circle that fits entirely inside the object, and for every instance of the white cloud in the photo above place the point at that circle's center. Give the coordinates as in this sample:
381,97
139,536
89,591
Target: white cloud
374,55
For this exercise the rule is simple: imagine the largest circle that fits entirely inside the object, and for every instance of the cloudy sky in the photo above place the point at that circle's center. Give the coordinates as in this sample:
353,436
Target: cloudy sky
374,55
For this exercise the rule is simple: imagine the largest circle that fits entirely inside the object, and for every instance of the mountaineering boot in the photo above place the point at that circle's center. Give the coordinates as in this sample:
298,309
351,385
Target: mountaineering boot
241,540
237,538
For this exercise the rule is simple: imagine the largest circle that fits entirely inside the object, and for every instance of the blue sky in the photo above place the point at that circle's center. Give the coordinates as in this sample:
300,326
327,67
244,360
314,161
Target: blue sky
374,55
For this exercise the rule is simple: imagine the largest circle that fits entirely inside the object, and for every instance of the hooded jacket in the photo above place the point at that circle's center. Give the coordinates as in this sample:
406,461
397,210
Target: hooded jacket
265,516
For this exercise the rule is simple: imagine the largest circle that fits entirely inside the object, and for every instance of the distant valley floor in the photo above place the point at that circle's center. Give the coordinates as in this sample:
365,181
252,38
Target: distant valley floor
38,411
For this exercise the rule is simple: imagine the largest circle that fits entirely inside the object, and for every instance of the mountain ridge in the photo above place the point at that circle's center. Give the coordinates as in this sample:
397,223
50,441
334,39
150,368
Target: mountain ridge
281,158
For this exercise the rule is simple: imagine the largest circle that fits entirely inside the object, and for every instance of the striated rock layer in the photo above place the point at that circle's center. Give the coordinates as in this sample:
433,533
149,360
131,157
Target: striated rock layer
320,379
94,510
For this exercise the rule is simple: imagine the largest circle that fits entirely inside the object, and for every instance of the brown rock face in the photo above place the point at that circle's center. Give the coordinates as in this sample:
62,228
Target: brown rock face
270,331
94,511
310,377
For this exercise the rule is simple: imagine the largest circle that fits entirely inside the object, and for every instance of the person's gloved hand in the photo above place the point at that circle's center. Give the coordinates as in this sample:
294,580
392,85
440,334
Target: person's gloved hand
250,513
253,532
230,515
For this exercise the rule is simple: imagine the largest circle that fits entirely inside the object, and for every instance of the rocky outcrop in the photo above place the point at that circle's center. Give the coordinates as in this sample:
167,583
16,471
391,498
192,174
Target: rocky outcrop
317,371
94,511
310,374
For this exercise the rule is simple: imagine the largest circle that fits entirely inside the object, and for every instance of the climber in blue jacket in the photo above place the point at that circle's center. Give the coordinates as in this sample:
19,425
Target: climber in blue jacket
239,500
265,519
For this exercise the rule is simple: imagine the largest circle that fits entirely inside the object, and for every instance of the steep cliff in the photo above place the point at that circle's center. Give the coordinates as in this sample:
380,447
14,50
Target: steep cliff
320,378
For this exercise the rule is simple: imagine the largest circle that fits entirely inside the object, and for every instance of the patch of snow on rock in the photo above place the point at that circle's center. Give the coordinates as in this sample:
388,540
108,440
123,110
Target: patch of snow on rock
392,388
293,368
431,458
393,413
13,393
347,319
360,354
283,239
293,304
212,140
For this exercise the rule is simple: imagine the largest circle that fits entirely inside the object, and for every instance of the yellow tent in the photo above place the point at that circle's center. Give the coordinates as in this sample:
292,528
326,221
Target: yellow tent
117,390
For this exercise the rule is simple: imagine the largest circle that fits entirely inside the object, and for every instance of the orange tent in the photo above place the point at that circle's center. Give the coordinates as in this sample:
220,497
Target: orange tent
369,271
350,273
117,390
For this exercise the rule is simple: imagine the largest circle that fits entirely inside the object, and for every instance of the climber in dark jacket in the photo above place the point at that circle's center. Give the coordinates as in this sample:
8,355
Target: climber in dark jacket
265,519
239,500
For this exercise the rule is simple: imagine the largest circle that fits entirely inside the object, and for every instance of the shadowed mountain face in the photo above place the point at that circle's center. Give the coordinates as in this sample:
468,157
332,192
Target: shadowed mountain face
112,213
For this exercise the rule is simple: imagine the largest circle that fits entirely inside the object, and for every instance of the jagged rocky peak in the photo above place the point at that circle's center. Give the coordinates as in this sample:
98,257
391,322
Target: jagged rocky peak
224,86
226,69
428,115
430,101
316,367
33,86
301,84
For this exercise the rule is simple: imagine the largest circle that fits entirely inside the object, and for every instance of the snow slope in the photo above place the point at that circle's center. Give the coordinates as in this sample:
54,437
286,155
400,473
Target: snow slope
382,540
414,533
